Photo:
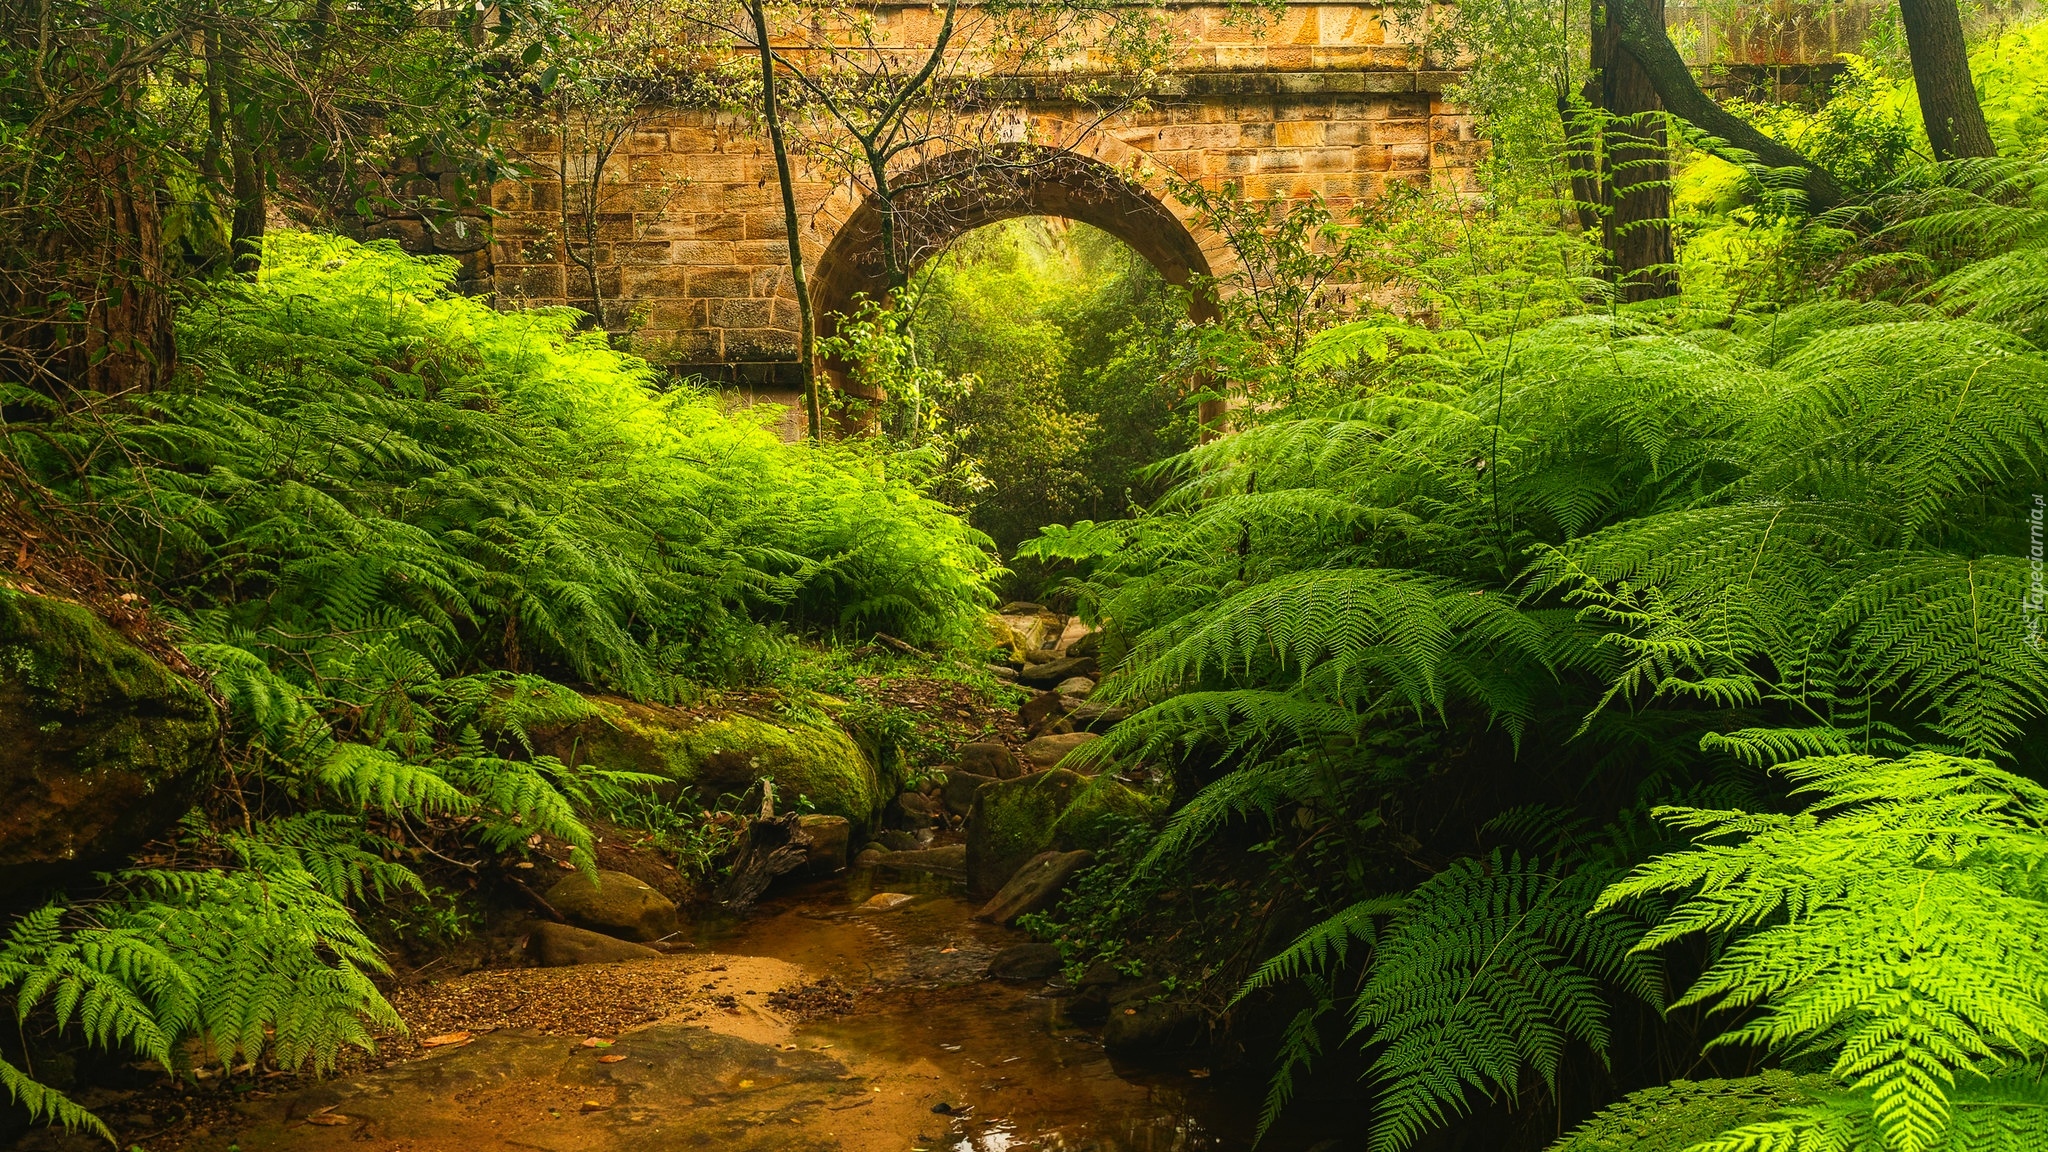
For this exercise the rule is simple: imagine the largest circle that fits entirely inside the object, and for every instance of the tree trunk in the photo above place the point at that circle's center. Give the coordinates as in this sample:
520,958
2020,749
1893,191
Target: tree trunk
128,345
1582,159
1644,36
228,114
807,329
1941,73
1634,167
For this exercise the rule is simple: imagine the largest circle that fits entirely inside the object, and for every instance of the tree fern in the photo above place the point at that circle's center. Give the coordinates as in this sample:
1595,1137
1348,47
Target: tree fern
256,966
1488,971
1602,532
2007,1114
1482,975
1895,923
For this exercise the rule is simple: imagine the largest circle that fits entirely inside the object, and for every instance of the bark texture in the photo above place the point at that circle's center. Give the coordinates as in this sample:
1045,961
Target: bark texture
1635,166
1941,74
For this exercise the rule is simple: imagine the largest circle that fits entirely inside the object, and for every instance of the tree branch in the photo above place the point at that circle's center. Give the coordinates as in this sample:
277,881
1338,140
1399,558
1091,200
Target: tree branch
1647,41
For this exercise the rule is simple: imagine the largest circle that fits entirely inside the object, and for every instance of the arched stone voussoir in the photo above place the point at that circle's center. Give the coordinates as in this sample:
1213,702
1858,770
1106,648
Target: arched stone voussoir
952,194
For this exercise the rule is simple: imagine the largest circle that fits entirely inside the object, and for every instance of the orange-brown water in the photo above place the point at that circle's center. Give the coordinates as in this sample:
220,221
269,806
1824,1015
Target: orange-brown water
1011,1073
932,1058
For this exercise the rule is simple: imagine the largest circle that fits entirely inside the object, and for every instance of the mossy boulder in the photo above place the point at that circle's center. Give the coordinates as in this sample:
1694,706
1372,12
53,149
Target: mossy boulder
1100,811
614,903
1058,810
101,746
729,752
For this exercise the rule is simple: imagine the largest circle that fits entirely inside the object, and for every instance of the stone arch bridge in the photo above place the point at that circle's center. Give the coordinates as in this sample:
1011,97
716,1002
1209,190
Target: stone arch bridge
1327,97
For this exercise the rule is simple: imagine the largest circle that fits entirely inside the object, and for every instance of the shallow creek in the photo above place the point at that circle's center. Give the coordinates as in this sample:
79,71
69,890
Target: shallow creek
932,1057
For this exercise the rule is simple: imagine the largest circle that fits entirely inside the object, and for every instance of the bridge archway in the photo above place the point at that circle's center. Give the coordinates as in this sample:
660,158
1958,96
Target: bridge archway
958,192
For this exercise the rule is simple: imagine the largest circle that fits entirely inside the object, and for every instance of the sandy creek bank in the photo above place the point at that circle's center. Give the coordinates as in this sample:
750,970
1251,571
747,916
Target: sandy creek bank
930,1056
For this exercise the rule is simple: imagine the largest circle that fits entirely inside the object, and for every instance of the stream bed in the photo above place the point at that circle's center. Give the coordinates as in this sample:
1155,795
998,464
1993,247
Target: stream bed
932,1056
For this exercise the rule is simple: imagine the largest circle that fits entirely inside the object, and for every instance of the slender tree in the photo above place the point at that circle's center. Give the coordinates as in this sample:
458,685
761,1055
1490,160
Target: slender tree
771,115
127,123
912,124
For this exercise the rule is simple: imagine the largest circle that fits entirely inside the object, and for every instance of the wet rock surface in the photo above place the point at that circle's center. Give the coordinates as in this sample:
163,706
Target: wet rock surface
828,839
994,761
1035,886
1048,751
959,791
563,945
615,904
946,860
1025,962
101,745
1050,673
524,1089
725,753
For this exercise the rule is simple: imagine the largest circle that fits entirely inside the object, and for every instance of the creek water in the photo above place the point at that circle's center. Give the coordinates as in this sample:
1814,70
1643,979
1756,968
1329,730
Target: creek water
1012,1073
931,1057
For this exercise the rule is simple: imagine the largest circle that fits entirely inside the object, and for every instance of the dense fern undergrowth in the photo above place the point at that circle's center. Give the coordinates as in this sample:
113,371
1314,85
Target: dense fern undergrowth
396,526
1624,698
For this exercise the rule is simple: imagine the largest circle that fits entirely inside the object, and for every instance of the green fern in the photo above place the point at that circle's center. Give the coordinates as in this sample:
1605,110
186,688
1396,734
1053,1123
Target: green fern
392,524
258,966
1481,977
1895,923
1688,1115
2007,1114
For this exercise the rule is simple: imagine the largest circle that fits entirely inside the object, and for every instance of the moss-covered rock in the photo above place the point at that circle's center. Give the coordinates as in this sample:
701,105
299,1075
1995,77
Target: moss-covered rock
728,753
1098,812
101,745
614,903
1015,820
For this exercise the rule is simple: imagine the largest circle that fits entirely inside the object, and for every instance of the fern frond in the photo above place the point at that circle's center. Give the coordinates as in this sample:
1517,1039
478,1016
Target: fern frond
1895,922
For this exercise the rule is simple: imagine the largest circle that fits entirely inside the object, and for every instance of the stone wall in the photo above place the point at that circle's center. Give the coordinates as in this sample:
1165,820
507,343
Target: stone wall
1331,99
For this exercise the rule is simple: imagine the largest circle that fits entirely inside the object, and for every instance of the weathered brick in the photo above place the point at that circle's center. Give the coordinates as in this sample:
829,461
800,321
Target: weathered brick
1400,132
658,280
760,344
745,312
1347,133
1324,101
759,252
1298,134
708,282
673,315
1280,160
700,252
540,282
719,226
543,196
1409,155
411,235
1178,136
764,223
640,252
1327,159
